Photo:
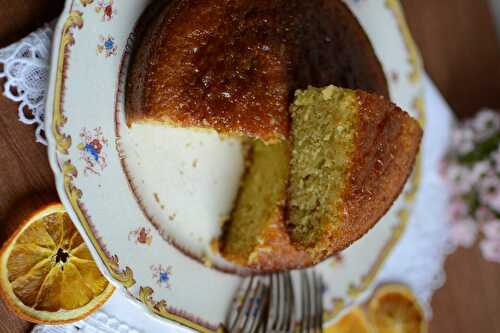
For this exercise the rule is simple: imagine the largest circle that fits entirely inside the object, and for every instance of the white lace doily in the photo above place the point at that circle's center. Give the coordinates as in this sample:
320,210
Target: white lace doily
25,71
416,261
99,322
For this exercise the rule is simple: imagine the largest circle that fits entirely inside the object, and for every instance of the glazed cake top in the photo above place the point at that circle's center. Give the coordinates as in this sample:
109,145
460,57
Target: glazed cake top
233,65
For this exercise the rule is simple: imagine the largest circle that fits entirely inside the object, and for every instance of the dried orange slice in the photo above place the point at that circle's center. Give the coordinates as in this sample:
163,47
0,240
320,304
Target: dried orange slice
353,322
47,274
395,309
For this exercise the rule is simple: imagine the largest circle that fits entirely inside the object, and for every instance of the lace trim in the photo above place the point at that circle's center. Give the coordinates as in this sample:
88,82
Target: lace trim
26,73
98,322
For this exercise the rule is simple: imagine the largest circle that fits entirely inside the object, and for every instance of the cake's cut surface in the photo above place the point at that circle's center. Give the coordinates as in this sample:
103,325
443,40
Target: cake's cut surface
233,65
324,126
301,201
352,153
256,236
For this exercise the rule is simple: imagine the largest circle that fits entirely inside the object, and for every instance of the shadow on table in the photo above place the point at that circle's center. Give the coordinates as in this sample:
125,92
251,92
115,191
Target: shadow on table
22,208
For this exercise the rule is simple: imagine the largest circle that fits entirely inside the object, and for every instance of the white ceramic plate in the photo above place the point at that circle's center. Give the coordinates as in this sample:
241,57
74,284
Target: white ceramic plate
149,211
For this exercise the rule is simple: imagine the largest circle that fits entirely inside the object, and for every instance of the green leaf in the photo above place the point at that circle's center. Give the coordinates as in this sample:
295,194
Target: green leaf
482,151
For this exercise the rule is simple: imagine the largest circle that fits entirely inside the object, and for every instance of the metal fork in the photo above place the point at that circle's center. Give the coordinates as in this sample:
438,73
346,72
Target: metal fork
282,304
311,302
267,304
247,313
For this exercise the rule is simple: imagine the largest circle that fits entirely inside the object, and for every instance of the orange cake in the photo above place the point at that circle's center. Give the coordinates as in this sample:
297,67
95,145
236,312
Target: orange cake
349,156
234,65
352,153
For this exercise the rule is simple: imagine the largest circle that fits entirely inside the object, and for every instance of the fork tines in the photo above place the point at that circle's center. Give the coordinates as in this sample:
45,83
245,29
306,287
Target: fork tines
267,304
281,305
311,302
250,307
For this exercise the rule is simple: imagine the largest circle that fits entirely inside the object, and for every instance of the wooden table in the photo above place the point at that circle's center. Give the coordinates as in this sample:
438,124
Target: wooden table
462,55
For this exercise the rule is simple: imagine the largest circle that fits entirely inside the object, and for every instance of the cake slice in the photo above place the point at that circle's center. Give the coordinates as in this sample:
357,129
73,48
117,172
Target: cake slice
348,158
256,236
352,153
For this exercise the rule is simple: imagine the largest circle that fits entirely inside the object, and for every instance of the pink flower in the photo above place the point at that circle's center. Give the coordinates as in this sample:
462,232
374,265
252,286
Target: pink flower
490,248
443,169
496,159
457,209
486,123
484,214
463,233
463,140
459,179
481,170
489,191
491,230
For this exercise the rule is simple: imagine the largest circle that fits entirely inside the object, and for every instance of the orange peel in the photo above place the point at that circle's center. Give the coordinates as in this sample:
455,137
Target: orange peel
47,274
354,321
395,309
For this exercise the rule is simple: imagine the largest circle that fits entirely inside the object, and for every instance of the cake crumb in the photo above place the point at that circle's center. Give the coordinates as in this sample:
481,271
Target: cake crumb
172,216
157,197
195,163
214,246
207,262
328,92
253,257
223,219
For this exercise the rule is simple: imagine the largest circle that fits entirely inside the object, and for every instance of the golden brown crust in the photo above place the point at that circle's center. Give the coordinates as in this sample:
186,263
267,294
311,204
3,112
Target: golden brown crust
233,65
388,141
276,252
145,32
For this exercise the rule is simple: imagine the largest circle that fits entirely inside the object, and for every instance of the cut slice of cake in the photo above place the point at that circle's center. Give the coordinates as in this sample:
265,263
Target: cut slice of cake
256,236
352,153
301,201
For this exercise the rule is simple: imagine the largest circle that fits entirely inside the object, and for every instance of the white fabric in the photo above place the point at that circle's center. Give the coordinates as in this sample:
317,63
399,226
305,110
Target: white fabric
419,257
417,260
98,322
25,70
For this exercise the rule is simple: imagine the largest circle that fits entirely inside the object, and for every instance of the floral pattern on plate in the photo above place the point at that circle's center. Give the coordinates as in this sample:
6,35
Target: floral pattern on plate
92,151
106,8
162,275
107,46
141,235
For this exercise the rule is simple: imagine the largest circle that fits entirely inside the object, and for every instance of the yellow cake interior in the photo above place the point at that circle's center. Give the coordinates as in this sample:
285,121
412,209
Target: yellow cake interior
261,199
323,133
